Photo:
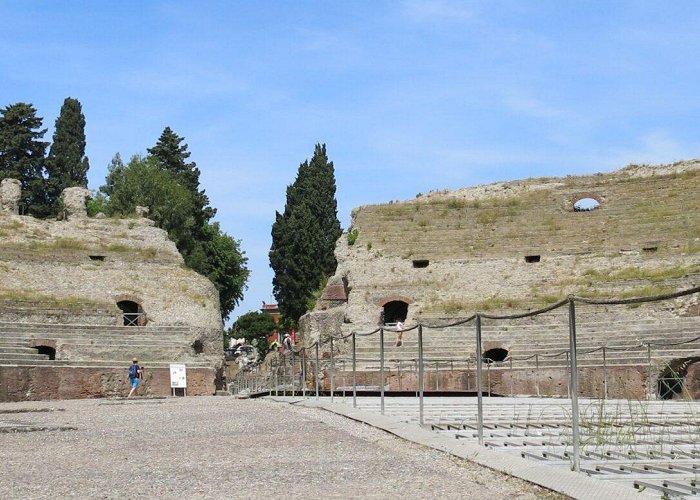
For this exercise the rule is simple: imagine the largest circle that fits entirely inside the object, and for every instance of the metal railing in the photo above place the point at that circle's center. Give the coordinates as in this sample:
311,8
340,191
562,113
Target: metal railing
286,377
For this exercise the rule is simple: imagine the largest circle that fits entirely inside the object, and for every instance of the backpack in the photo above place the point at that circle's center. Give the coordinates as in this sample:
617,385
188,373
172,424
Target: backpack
134,371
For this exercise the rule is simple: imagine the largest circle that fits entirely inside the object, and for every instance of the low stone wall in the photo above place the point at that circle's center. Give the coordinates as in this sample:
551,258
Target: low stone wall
33,383
627,382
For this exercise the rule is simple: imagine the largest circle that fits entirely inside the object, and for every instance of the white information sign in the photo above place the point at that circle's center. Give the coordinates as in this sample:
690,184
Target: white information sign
178,376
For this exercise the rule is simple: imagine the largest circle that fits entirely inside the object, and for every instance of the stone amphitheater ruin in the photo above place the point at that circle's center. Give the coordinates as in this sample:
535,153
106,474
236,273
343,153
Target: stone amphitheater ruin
80,297
518,246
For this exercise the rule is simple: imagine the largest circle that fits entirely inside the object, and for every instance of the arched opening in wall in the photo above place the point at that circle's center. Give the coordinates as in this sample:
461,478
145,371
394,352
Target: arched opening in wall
586,205
394,311
132,313
198,347
671,383
47,350
532,258
495,355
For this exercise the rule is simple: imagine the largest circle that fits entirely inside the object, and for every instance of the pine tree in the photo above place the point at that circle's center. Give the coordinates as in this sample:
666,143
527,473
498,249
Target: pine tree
22,155
173,157
67,164
304,236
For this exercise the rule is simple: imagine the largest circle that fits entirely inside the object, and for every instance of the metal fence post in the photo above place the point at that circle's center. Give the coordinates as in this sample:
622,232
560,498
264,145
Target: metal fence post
420,372
354,371
488,377
574,386
381,370
605,375
399,375
468,368
316,367
568,376
537,374
332,369
303,372
648,371
511,377
479,395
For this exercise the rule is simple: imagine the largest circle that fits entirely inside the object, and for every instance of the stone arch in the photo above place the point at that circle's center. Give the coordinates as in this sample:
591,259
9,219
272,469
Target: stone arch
394,308
45,346
131,308
673,383
495,355
583,196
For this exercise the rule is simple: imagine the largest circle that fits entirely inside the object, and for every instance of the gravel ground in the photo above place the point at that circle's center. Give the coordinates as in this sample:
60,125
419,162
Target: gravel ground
219,447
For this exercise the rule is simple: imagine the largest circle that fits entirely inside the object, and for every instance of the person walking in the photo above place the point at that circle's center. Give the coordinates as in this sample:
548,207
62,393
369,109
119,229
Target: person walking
135,375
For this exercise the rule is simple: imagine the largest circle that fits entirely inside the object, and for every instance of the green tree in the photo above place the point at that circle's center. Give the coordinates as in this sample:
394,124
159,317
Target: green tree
171,205
173,156
255,327
22,155
67,164
219,257
304,236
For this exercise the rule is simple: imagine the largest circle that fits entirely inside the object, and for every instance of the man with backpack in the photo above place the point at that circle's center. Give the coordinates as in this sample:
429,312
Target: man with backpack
135,375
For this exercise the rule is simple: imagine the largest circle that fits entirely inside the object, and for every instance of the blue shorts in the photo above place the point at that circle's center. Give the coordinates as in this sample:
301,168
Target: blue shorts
135,382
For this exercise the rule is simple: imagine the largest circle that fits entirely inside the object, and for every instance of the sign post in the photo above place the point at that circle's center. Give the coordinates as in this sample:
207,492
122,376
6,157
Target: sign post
178,378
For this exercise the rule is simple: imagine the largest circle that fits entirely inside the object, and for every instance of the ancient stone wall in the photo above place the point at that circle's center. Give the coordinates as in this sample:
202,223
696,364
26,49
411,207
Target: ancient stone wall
80,295
519,246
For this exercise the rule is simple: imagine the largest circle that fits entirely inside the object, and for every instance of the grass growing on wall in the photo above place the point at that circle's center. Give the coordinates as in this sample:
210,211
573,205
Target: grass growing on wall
70,303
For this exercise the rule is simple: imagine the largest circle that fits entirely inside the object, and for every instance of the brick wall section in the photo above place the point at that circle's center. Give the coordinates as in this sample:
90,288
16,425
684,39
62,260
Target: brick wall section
31,383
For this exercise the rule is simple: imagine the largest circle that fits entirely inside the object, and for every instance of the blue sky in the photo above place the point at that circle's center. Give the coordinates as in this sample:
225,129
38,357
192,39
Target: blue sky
409,96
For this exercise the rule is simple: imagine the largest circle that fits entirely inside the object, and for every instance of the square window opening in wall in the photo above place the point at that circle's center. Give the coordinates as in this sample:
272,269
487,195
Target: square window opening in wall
99,258
421,263
532,258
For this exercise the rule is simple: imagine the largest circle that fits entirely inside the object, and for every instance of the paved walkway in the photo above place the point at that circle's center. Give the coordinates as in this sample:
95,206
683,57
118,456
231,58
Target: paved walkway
223,448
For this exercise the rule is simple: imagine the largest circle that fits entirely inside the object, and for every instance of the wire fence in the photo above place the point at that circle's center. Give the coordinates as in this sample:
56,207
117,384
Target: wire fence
299,371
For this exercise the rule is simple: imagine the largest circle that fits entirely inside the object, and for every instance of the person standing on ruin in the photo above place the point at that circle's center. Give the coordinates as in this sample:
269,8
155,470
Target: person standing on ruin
399,333
135,375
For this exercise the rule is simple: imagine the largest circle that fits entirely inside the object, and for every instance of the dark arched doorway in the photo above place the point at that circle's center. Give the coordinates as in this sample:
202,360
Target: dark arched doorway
46,350
495,355
132,313
394,311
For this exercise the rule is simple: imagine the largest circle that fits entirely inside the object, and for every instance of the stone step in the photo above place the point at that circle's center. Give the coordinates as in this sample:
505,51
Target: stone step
23,356
17,350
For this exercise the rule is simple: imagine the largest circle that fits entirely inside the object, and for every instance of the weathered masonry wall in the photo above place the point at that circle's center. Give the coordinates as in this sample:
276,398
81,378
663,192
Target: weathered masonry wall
512,247
80,297
30,383
521,245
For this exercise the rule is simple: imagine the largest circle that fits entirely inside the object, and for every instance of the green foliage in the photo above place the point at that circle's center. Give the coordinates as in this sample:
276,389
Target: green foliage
352,236
99,203
219,257
304,236
255,327
168,186
144,183
172,156
66,164
22,155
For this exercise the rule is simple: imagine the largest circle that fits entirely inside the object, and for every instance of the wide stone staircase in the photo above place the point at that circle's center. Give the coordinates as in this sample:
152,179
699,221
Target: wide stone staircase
543,343
96,345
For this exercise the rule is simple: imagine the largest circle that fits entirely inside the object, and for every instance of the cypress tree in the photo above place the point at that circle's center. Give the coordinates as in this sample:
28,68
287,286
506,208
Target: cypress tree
304,236
67,164
22,155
